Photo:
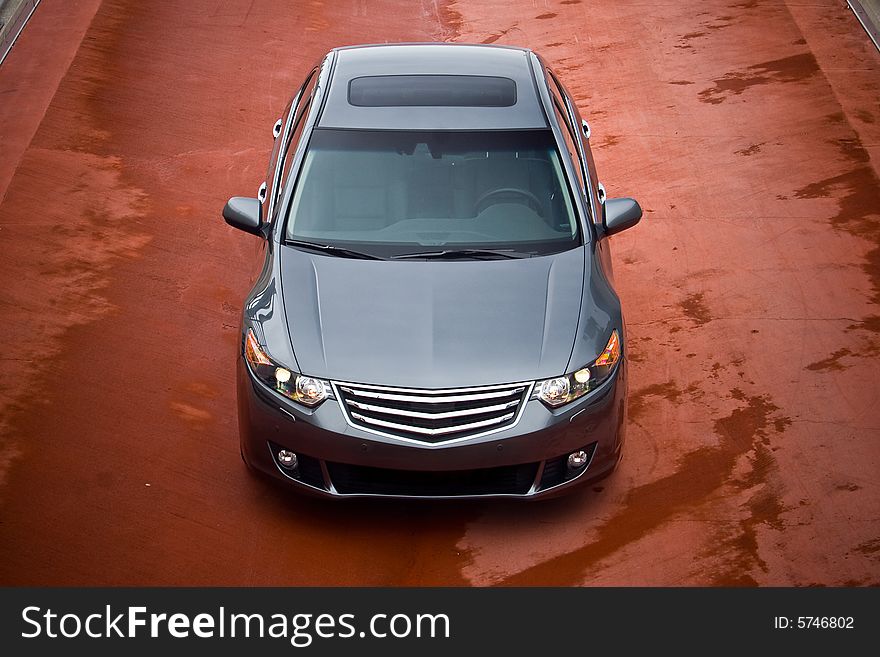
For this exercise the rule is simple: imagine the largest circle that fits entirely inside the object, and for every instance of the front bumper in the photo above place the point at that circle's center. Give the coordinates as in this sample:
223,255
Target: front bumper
527,460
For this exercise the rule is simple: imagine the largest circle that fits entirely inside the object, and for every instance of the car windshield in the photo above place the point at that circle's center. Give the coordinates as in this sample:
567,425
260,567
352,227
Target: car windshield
396,193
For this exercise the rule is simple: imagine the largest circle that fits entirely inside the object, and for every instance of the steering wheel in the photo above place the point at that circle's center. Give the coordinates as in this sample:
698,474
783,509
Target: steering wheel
497,196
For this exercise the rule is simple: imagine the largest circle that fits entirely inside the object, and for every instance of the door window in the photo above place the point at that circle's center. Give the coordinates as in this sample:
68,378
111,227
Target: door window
574,124
291,119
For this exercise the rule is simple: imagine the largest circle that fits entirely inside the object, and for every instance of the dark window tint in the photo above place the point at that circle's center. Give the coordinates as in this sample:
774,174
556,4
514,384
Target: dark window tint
432,90
568,135
282,145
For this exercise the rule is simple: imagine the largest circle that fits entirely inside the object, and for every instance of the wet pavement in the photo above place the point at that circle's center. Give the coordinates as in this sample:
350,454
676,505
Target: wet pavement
749,131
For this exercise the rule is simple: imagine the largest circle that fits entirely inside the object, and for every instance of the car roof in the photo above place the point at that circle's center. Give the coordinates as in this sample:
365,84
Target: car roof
432,59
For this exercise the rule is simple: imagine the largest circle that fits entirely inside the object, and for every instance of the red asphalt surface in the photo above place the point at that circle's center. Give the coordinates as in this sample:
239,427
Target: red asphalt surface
749,131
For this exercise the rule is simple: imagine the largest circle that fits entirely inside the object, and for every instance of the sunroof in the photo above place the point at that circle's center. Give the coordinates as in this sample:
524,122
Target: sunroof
432,90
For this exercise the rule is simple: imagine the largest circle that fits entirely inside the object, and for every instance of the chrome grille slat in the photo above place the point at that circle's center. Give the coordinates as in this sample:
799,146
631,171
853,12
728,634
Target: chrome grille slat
434,432
428,415
432,416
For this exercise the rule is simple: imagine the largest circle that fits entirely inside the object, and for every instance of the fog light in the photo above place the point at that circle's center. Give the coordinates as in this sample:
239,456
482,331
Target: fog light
577,460
288,460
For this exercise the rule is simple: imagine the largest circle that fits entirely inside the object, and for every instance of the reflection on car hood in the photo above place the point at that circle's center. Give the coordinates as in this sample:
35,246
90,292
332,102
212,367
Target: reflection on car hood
432,324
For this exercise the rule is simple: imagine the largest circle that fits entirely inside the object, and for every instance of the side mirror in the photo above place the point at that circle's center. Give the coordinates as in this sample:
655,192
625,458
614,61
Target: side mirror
620,214
244,213
276,129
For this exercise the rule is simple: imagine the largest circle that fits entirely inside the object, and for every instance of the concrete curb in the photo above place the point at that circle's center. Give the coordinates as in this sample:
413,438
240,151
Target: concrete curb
868,13
9,32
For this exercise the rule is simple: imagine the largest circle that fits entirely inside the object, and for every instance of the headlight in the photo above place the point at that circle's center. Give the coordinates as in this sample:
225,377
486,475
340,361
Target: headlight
303,389
564,389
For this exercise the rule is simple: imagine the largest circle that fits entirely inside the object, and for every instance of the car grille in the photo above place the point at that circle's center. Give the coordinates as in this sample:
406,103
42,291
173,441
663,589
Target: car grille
505,480
433,416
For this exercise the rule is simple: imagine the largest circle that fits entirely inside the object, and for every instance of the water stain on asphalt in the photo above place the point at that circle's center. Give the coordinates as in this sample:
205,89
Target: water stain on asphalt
751,150
858,194
718,23
869,547
450,21
695,309
796,68
699,473
692,35
497,35
830,363
638,399
739,551
84,228
864,116
610,140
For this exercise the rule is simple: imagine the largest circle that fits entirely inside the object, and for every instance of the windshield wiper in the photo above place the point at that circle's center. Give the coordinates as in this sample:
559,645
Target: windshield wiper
335,250
475,254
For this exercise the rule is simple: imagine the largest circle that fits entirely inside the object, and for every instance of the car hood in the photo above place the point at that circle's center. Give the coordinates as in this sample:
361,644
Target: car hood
432,324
